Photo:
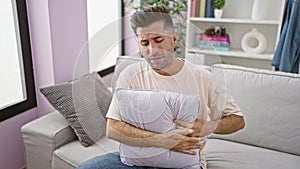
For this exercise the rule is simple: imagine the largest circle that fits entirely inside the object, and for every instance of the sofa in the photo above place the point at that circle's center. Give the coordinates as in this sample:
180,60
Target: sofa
270,139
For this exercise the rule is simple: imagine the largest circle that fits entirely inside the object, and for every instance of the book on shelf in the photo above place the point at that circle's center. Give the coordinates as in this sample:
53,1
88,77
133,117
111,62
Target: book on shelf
209,9
193,8
198,8
219,43
202,8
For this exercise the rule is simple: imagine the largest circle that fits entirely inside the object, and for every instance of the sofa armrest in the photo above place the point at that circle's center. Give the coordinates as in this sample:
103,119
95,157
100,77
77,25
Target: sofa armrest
42,136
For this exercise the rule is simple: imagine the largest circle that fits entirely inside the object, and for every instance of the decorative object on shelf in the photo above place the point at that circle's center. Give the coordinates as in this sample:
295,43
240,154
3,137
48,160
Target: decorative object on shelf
215,38
218,4
254,42
217,30
265,9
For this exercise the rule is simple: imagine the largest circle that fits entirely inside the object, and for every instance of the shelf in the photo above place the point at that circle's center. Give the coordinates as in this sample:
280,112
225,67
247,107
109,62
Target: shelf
233,53
237,21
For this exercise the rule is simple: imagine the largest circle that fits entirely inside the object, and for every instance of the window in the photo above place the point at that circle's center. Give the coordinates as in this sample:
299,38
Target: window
16,75
104,29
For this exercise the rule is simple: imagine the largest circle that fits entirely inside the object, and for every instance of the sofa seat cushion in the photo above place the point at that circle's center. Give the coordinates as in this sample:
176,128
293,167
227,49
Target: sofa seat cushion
70,155
222,154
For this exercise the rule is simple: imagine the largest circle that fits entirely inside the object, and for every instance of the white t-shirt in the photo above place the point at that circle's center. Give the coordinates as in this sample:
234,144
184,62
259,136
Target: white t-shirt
215,99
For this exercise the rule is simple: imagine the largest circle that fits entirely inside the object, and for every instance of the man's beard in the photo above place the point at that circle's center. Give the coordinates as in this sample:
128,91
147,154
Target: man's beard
160,60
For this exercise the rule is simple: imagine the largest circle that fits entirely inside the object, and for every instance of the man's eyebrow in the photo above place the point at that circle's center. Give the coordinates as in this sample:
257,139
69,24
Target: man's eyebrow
154,38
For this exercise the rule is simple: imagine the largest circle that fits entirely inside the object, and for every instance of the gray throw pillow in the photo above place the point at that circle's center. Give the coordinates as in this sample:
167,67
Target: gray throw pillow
156,111
84,103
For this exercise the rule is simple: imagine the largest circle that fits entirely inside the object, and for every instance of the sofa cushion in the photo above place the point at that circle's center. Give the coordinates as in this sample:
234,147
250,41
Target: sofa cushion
121,64
84,103
155,110
270,103
70,155
222,154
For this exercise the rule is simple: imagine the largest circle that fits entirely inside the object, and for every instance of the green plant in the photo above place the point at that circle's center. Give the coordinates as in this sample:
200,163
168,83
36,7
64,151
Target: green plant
219,4
177,9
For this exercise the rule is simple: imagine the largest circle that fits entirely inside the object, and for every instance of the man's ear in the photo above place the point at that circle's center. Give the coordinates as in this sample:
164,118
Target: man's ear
175,38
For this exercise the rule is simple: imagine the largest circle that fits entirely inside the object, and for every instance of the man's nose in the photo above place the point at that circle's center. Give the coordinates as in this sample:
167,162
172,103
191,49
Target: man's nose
152,48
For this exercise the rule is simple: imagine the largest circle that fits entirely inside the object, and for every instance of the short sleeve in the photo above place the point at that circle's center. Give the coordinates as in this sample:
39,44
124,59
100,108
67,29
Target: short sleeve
122,82
221,102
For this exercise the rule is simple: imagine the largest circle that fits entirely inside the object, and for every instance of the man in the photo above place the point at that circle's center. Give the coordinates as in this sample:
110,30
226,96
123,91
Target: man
153,28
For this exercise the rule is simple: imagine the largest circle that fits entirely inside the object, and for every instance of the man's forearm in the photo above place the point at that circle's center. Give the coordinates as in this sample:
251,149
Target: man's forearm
175,140
130,135
230,124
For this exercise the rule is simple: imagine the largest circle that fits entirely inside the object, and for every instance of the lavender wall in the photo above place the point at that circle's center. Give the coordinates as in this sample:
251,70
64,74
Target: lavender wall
58,32
68,23
39,26
11,143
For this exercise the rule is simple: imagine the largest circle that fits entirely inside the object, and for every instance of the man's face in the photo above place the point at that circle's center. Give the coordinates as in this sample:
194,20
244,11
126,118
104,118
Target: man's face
157,44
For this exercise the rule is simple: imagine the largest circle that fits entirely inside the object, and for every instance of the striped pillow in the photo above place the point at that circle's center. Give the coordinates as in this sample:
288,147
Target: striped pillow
84,103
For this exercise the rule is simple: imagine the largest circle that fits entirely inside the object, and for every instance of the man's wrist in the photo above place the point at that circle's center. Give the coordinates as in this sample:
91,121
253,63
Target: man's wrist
157,140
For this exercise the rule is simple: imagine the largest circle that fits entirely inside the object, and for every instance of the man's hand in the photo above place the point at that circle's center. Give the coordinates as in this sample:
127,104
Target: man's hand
201,128
177,140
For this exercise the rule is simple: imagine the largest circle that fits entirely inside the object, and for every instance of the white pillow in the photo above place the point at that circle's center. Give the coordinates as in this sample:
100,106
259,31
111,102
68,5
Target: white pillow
156,111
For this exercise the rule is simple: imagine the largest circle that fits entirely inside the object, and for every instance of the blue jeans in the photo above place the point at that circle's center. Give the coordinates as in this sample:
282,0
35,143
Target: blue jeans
108,161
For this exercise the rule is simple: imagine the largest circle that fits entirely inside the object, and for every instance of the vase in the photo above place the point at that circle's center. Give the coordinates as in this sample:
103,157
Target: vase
218,13
254,42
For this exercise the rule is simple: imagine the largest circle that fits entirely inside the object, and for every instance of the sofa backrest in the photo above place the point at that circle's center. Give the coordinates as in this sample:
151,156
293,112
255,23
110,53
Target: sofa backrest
270,102
121,63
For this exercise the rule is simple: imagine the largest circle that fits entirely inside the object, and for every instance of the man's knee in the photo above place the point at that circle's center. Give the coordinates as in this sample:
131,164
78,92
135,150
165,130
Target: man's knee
99,162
